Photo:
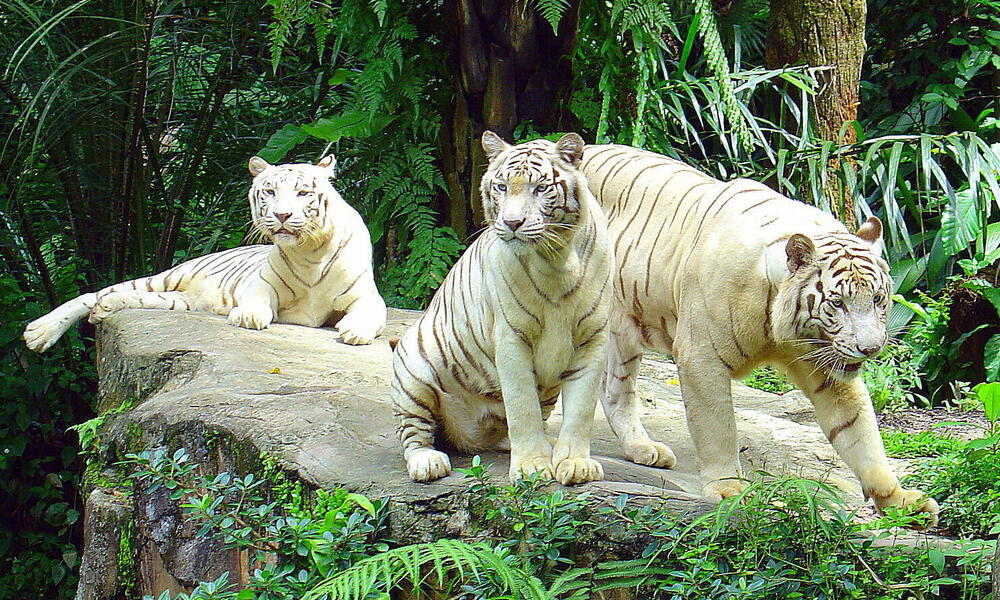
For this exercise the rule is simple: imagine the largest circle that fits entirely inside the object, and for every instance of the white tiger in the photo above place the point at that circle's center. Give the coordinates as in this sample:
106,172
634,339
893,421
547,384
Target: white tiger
318,270
520,318
726,276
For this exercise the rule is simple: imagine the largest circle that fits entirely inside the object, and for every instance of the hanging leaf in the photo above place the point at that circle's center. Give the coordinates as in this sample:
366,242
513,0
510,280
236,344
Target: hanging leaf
959,223
552,11
349,124
281,143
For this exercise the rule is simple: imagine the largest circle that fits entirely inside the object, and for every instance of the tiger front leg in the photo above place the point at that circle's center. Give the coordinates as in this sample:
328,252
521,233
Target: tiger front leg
364,320
708,406
845,413
256,304
530,450
622,405
571,455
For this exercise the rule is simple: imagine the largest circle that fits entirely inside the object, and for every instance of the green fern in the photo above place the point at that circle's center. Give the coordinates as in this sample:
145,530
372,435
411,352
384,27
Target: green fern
441,563
552,11
718,64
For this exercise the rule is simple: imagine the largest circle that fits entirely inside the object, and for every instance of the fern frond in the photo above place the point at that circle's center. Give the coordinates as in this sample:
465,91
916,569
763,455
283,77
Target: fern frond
716,59
446,559
552,11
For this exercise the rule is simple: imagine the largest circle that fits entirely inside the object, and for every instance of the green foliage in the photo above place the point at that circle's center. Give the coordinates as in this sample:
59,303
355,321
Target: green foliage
900,444
294,540
391,174
893,379
39,398
768,380
541,528
966,482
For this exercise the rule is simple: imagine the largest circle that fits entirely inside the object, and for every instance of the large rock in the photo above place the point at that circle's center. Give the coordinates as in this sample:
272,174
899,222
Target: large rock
321,408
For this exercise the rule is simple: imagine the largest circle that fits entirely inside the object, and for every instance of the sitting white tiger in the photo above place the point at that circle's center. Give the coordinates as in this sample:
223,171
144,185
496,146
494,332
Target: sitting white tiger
521,317
318,270
726,276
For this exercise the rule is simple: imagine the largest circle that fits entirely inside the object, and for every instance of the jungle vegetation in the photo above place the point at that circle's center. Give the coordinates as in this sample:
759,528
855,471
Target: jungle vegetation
125,128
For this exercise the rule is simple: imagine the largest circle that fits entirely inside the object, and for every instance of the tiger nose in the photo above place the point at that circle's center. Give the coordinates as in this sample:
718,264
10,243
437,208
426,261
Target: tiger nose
282,217
513,224
869,350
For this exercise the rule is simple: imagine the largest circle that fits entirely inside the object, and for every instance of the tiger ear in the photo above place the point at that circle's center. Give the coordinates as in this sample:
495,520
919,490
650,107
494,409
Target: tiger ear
570,148
328,162
871,232
493,144
257,165
800,251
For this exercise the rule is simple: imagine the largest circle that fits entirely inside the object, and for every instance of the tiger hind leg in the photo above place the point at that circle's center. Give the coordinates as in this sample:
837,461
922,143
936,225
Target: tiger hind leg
621,403
412,402
120,300
46,330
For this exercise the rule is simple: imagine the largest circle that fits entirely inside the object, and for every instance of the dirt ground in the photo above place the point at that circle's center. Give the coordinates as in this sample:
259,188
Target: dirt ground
914,420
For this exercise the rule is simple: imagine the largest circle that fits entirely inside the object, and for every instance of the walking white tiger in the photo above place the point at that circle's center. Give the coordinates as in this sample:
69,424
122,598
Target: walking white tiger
317,271
726,276
520,318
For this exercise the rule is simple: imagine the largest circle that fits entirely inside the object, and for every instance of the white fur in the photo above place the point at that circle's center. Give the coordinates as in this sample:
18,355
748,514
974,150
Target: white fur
317,272
518,320
721,276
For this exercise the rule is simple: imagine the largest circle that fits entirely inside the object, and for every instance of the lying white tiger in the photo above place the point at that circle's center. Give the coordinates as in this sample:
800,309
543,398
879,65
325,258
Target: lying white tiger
520,318
318,270
728,276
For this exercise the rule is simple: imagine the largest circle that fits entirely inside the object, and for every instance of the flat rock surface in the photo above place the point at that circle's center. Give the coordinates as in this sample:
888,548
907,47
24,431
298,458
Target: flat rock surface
322,408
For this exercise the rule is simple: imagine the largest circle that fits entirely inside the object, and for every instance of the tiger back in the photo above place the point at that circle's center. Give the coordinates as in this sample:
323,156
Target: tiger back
316,271
726,276
519,319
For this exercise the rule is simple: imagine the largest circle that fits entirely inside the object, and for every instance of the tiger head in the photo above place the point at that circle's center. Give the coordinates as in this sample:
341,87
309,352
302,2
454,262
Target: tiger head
836,298
290,202
530,191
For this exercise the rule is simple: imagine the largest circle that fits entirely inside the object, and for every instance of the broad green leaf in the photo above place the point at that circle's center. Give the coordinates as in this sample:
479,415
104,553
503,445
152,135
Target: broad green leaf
991,358
960,223
281,143
936,558
349,124
340,76
989,396
363,502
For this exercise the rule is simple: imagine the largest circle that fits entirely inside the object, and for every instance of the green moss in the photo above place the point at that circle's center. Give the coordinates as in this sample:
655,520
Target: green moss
128,580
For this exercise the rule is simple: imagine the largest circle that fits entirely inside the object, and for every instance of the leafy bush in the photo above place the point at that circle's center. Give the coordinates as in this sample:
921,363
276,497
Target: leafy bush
40,397
893,379
294,538
966,482
768,380
780,539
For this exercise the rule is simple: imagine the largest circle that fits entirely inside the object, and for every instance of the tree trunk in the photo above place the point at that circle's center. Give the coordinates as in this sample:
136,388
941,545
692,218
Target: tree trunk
824,33
510,68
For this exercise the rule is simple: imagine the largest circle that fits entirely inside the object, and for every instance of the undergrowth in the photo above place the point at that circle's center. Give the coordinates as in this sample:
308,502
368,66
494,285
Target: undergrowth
782,538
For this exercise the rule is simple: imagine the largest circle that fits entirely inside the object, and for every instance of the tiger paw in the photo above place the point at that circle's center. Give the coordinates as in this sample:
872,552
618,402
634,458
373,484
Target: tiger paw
41,333
915,500
427,464
355,331
571,471
523,466
250,317
720,489
653,454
